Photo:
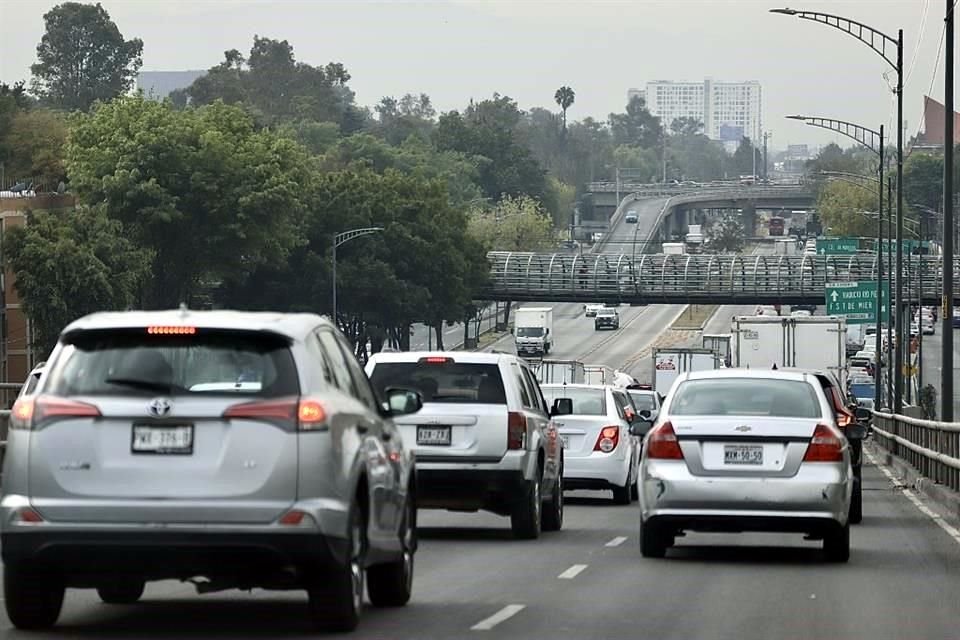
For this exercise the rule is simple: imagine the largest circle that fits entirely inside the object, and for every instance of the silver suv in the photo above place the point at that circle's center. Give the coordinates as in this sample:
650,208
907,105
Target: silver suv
484,439
231,450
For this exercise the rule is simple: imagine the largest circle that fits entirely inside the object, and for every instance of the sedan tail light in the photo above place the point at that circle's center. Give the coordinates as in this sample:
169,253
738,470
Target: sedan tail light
516,430
826,445
31,412
302,413
608,439
663,443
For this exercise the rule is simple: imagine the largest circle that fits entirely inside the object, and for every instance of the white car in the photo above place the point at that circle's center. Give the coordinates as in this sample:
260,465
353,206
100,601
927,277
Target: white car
631,217
601,449
800,313
590,310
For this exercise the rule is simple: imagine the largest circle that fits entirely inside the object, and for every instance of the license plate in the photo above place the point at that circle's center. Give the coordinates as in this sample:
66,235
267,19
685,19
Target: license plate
173,439
566,441
743,454
434,435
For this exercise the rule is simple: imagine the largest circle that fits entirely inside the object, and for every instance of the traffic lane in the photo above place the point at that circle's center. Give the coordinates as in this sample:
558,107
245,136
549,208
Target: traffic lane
625,351
622,235
933,364
901,581
576,338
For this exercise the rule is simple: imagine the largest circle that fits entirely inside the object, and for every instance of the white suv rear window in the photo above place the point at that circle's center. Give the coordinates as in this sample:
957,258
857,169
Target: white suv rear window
443,380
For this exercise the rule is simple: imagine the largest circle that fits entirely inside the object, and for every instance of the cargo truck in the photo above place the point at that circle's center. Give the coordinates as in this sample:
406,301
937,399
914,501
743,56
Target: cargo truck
533,330
561,372
719,342
668,363
816,342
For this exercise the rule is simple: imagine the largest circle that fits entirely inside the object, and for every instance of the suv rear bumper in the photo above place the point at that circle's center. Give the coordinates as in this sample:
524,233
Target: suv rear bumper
469,489
269,559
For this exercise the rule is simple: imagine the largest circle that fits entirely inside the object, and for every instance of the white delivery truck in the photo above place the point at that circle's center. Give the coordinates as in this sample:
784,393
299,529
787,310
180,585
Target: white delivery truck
695,234
561,372
816,342
786,247
668,363
598,374
674,248
856,338
719,342
533,330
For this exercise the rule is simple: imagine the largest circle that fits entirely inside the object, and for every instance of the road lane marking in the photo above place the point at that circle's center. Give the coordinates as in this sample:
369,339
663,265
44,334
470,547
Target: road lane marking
924,509
572,572
504,614
616,542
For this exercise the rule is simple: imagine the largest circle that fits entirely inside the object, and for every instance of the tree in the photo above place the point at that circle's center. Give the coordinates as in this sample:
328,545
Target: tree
725,235
83,57
514,224
746,158
410,116
35,146
923,180
841,207
69,264
686,126
637,126
564,97
208,194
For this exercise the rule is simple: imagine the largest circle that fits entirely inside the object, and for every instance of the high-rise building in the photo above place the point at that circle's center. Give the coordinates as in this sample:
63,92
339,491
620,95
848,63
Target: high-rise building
728,111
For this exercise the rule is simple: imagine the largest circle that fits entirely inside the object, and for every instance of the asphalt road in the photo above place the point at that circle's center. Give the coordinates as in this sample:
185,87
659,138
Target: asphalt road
932,365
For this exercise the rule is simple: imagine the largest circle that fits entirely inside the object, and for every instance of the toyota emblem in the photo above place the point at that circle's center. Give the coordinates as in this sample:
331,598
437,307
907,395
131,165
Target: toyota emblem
159,407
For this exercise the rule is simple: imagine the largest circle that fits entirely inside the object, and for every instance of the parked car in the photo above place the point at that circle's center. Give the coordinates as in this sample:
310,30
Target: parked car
484,439
746,450
600,450
606,318
233,447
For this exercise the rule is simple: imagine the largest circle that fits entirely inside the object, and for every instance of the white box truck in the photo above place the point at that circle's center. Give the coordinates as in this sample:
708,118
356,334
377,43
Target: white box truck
816,342
695,234
668,363
533,330
561,372
598,374
719,342
674,248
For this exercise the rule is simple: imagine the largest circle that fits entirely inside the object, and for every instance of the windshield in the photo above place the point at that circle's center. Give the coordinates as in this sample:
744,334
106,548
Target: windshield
446,382
746,396
131,362
606,312
643,400
586,402
862,390
529,332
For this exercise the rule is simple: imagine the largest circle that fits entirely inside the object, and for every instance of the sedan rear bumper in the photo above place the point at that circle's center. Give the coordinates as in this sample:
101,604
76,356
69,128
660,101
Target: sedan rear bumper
597,471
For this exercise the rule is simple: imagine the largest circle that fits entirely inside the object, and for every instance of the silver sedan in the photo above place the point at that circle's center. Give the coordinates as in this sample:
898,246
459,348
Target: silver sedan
746,450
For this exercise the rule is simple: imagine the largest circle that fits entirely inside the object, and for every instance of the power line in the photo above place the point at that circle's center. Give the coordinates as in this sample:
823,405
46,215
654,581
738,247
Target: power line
933,80
916,49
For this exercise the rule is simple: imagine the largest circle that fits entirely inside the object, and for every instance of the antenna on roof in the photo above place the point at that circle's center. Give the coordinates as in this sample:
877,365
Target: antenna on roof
183,308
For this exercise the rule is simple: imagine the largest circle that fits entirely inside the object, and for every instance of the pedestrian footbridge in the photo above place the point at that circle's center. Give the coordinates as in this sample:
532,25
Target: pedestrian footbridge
706,279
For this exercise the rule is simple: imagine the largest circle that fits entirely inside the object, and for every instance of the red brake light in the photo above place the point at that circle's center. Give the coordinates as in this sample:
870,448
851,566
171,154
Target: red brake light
663,444
29,516
292,518
436,360
608,439
825,446
172,331
516,430
27,413
308,414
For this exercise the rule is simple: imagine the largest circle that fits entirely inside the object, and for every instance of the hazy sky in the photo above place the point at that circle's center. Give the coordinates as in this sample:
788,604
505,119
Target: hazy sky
459,49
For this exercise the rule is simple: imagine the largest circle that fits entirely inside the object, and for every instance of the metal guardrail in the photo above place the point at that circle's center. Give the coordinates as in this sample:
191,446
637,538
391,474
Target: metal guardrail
933,448
671,279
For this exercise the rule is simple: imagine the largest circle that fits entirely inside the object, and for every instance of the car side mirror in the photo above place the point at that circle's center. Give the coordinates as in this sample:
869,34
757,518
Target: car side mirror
855,431
862,414
401,402
645,414
640,427
561,407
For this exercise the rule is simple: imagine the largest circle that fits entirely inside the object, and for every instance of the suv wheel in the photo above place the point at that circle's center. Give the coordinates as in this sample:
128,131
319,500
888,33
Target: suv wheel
653,543
121,591
856,502
33,596
553,515
390,585
336,597
525,519
836,544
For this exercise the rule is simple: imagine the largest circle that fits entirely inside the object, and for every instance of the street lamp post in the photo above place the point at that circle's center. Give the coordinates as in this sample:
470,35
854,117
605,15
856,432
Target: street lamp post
872,140
880,42
338,240
946,377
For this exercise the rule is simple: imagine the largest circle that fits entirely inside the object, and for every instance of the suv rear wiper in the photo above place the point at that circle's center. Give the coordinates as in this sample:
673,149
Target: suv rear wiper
147,385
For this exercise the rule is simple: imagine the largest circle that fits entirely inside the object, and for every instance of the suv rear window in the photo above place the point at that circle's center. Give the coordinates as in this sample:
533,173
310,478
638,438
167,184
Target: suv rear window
445,382
746,397
129,362
586,402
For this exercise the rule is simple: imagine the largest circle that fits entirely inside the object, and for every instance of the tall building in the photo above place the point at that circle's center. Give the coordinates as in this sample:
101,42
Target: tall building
729,111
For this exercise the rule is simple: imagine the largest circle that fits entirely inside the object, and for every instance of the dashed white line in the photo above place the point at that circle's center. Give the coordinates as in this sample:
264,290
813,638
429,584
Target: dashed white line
504,614
616,542
924,509
572,572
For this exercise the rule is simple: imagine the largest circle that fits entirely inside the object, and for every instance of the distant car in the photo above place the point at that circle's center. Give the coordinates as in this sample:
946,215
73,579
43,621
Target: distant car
645,400
631,217
606,318
590,310
800,313
746,450
596,237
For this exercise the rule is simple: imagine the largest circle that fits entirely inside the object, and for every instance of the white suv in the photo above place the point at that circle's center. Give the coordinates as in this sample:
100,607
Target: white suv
484,438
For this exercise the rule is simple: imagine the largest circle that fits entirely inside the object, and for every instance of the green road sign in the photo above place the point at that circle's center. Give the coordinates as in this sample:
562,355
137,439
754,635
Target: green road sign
856,300
837,246
909,244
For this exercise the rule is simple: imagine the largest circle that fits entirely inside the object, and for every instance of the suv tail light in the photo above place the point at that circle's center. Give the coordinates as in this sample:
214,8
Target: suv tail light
30,412
663,443
305,414
516,430
825,446
608,439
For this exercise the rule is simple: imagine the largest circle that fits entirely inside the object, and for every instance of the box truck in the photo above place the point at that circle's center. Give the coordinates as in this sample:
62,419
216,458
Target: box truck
674,248
561,372
533,330
816,342
668,363
719,342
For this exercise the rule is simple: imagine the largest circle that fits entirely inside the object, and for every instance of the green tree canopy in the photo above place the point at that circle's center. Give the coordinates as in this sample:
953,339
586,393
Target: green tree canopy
841,206
514,224
637,126
69,264
208,194
725,235
35,144
83,57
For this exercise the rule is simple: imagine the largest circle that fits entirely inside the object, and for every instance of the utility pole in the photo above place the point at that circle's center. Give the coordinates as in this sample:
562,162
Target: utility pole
946,312
766,165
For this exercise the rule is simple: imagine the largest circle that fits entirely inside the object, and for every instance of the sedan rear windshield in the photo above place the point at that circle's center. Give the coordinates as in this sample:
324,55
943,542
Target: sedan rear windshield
586,402
133,362
643,401
444,382
746,397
